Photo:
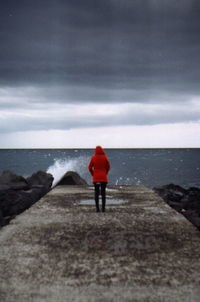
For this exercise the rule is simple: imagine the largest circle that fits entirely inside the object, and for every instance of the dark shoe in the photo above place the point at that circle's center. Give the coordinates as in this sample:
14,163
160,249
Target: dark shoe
97,210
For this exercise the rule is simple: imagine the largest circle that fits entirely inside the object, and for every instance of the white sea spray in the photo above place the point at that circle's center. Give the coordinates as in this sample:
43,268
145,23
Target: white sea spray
61,166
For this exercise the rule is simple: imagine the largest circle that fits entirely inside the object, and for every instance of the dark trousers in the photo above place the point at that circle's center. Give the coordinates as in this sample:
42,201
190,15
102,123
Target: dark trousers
100,188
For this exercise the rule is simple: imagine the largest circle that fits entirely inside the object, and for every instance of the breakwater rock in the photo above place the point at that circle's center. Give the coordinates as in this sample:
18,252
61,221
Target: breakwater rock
71,178
185,201
18,193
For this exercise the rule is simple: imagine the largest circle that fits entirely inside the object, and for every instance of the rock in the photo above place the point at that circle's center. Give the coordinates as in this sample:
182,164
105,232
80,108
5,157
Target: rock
193,217
176,205
192,199
18,194
171,192
14,202
4,187
13,181
185,201
71,178
1,218
40,178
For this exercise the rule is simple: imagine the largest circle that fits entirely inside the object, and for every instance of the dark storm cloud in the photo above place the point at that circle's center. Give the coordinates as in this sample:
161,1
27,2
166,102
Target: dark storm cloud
138,47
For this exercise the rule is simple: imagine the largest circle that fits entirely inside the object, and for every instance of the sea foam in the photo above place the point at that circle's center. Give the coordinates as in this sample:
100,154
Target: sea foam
61,166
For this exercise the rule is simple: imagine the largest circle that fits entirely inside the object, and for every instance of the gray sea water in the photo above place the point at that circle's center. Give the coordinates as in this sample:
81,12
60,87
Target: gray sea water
151,167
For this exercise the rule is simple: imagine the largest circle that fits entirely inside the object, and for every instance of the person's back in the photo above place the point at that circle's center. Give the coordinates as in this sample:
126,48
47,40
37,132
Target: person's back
99,167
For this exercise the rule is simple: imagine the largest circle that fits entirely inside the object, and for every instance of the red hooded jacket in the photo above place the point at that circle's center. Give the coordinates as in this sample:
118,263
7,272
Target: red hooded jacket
99,166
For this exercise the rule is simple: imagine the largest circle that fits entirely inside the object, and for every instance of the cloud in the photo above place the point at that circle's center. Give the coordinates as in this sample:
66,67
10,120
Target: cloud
72,116
138,45
40,97
173,135
84,64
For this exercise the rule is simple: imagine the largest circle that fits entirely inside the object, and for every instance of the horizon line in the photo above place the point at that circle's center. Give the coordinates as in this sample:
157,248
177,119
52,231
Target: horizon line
87,148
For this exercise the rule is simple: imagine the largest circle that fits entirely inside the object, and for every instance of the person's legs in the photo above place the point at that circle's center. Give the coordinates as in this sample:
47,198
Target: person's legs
103,194
96,195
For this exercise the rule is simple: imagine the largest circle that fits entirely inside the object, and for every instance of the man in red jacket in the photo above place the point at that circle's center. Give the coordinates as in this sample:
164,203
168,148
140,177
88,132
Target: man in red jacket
99,167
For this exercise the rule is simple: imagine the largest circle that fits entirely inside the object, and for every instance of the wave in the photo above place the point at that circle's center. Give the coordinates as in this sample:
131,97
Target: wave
80,165
61,166
127,181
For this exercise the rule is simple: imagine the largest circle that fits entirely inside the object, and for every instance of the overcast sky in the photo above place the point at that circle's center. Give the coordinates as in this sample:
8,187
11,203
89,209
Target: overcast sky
121,73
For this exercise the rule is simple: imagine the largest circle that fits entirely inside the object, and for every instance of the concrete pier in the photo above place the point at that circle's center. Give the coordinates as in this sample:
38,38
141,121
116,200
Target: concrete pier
62,250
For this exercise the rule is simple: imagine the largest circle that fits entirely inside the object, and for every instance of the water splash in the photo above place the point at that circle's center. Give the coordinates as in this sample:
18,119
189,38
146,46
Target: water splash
61,166
127,181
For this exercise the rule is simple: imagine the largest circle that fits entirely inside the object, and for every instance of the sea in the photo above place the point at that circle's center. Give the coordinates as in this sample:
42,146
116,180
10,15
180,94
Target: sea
150,167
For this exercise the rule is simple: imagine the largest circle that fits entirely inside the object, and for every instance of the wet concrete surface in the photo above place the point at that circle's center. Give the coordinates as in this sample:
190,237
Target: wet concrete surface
140,249
109,201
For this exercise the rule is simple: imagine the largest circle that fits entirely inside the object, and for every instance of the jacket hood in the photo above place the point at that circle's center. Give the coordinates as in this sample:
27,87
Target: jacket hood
99,151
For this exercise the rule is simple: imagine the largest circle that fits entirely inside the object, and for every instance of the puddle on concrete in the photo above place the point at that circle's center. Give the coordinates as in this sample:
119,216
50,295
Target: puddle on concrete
108,201
155,210
111,190
107,189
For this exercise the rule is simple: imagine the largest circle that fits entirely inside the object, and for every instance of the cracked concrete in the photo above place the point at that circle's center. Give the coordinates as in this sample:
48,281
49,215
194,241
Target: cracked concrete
62,250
